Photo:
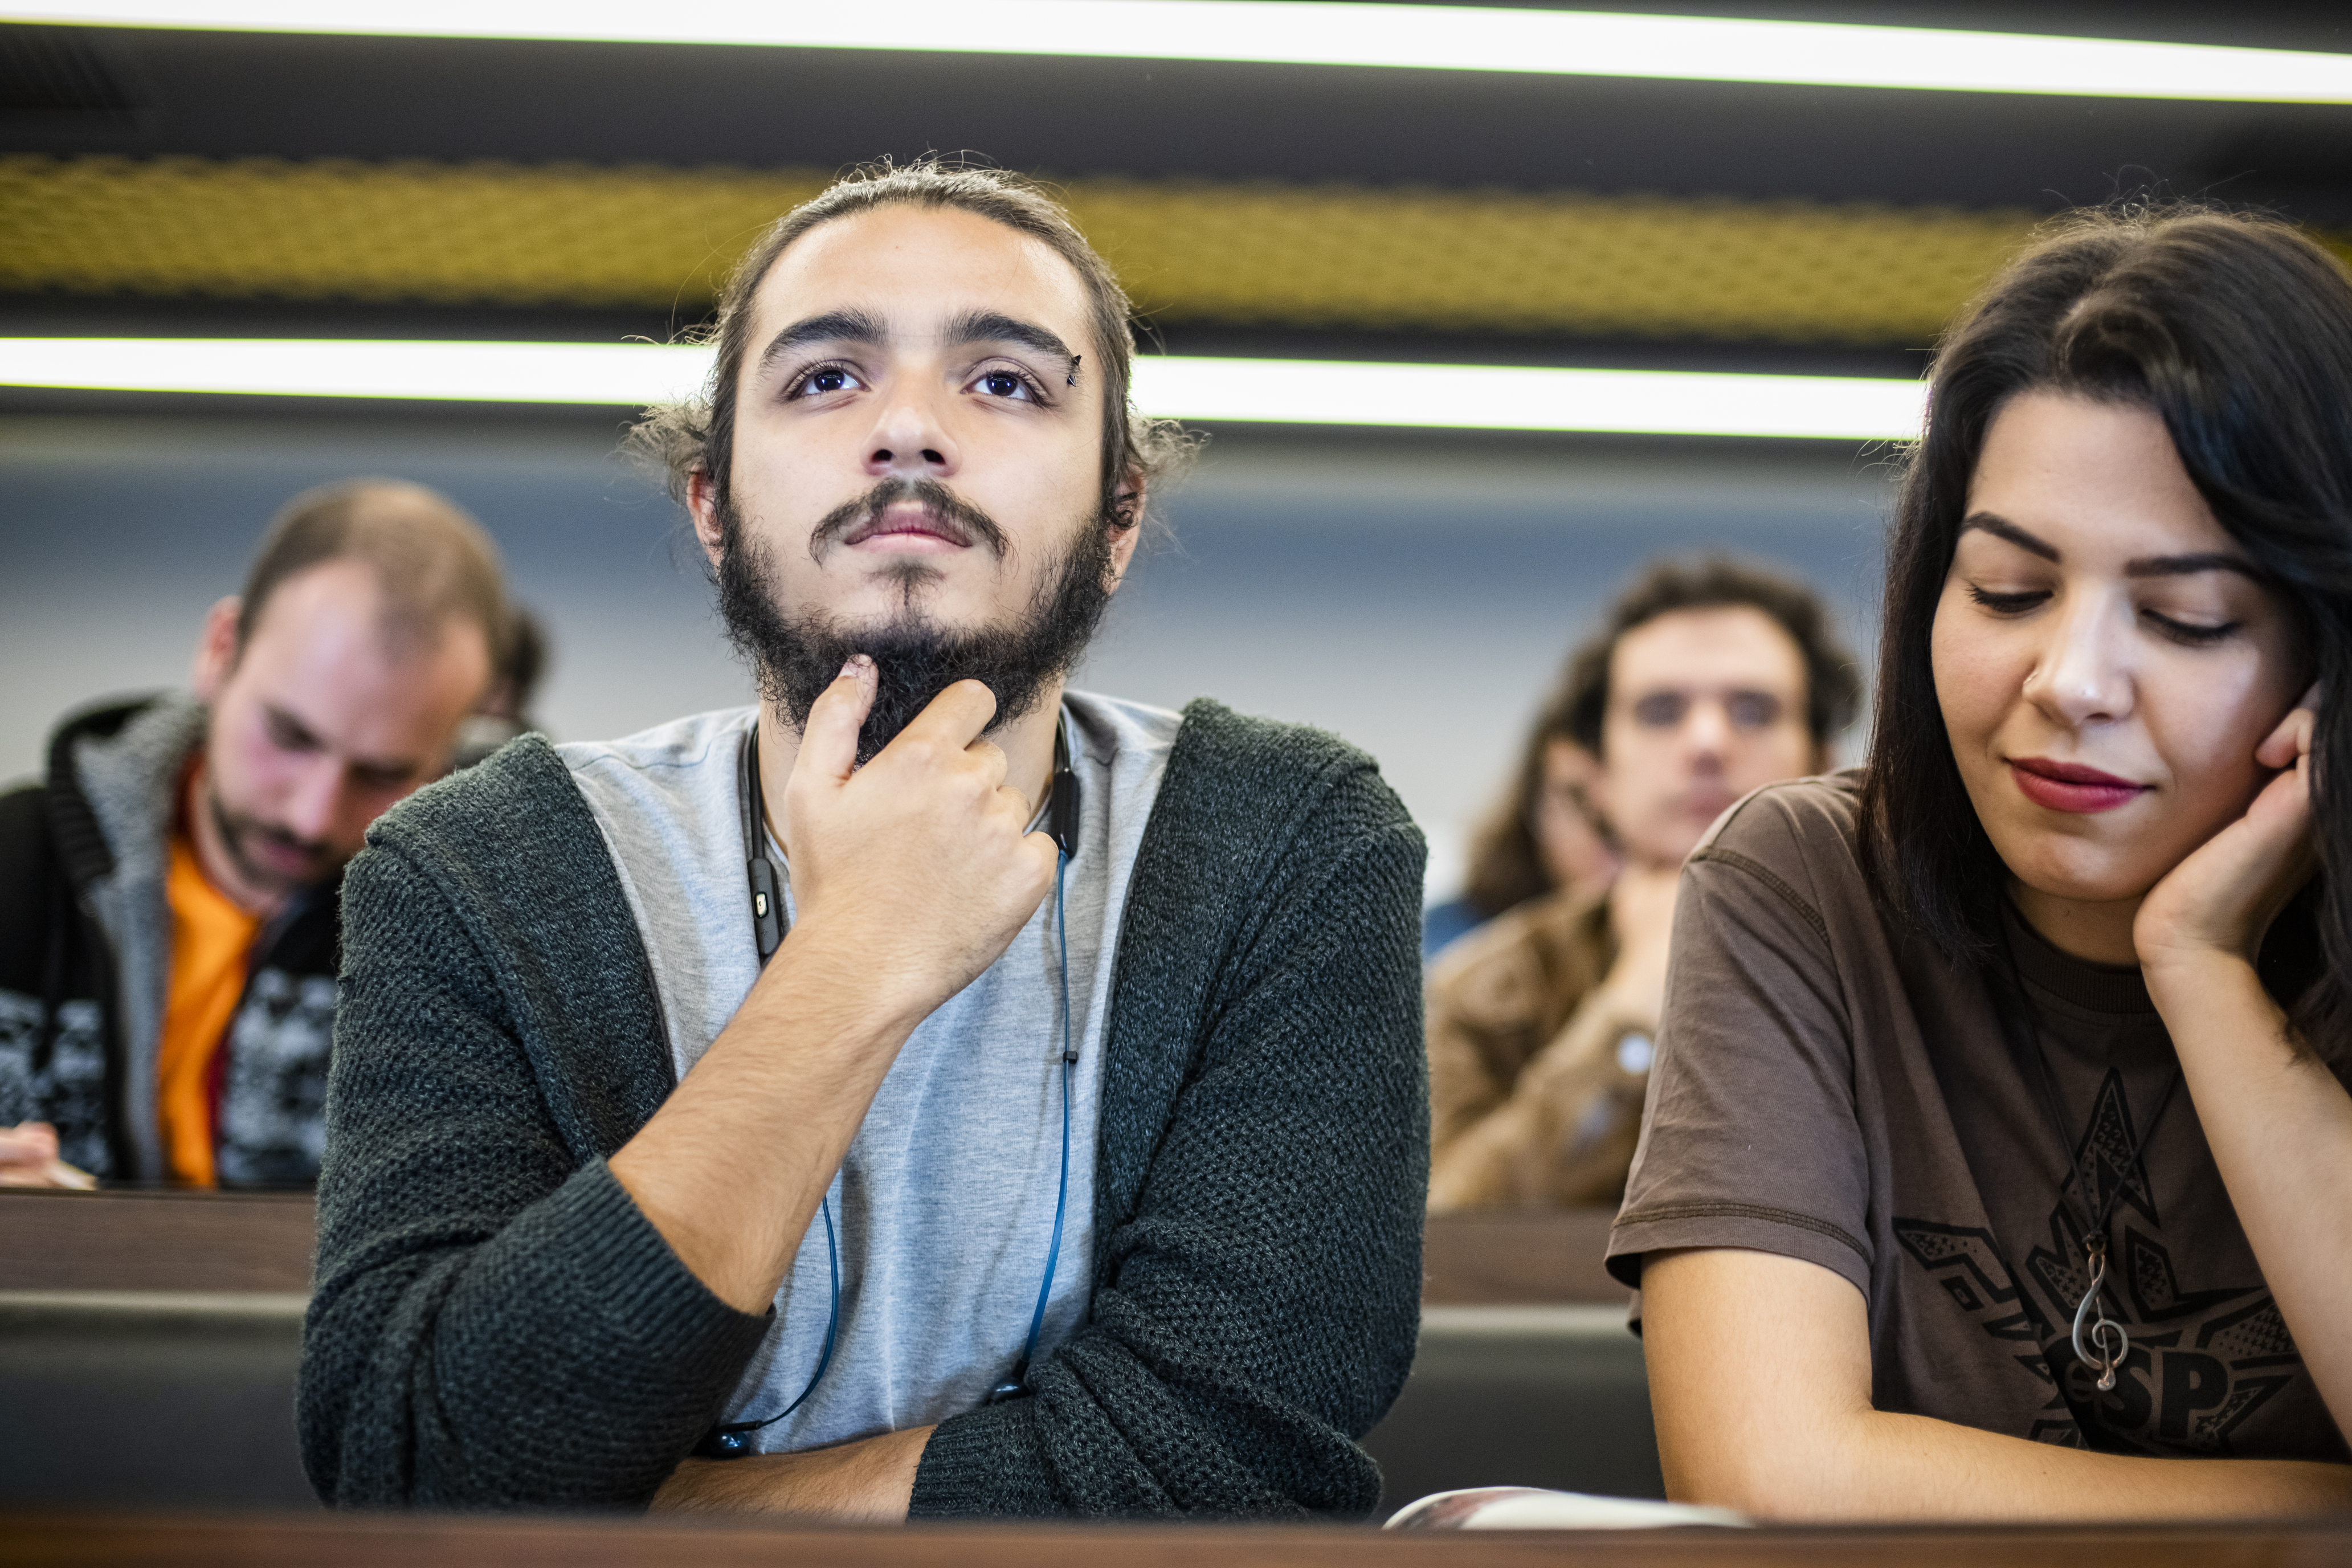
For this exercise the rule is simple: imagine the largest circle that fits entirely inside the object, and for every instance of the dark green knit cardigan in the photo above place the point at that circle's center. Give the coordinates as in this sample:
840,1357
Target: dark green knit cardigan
496,1325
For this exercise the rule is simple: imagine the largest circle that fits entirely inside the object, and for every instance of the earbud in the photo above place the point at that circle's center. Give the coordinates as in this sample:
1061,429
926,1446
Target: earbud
725,1442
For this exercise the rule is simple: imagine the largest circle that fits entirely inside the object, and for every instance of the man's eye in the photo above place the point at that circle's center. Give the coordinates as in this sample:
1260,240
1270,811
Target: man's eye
1661,709
1752,709
1003,384
824,382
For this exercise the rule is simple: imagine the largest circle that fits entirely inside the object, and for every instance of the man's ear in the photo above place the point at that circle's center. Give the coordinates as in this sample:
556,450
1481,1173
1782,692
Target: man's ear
1126,525
702,500
216,650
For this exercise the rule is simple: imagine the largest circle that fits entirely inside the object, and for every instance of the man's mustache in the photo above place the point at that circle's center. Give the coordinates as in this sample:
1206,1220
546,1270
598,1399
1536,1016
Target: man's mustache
976,526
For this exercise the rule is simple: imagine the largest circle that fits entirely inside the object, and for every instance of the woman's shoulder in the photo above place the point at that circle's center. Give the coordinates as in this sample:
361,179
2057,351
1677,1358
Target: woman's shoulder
1800,836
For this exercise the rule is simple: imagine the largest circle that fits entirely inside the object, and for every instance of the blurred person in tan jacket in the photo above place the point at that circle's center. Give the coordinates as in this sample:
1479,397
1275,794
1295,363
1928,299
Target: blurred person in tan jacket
1710,679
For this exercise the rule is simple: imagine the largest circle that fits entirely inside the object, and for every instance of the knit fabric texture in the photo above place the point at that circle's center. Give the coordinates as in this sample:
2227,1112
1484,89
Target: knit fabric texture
495,1325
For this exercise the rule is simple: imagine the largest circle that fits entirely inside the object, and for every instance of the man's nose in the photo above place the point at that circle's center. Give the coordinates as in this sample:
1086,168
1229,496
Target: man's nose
2082,675
315,807
911,439
1706,729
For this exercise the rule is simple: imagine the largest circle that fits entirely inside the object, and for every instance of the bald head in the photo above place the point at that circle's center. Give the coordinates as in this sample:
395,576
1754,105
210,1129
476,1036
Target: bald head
432,562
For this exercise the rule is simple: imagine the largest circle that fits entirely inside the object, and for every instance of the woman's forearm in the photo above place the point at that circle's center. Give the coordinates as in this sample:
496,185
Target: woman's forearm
1876,1465
1761,1378
2280,1126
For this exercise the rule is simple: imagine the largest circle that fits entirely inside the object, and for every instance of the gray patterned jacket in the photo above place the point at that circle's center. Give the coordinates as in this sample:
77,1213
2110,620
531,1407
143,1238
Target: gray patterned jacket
85,964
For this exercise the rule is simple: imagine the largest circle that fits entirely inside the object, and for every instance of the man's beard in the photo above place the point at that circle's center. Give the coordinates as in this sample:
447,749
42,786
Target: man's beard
797,658
239,832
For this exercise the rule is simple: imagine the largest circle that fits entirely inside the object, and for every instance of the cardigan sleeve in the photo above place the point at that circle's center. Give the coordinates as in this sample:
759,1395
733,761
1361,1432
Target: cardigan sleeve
494,1323
1256,1307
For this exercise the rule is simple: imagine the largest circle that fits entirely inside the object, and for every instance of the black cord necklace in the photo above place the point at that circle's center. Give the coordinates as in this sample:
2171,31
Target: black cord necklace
2100,1342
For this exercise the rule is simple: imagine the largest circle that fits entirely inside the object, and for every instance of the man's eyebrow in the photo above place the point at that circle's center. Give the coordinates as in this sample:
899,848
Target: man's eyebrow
293,728
832,327
301,734
2000,527
995,327
2190,565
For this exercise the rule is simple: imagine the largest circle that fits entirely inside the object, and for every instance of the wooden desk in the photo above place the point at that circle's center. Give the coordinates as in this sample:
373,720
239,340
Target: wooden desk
1515,1257
161,1241
361,1540
138,1240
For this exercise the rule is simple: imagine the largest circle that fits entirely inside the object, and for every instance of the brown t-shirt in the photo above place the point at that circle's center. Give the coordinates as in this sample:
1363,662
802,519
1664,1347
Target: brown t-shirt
1828,1087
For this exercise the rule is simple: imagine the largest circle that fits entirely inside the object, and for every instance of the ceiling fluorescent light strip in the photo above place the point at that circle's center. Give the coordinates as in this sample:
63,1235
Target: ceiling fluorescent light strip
1289,32
1210,391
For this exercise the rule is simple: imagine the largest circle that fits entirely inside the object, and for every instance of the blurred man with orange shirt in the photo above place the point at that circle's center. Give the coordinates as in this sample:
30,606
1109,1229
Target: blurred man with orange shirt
168,895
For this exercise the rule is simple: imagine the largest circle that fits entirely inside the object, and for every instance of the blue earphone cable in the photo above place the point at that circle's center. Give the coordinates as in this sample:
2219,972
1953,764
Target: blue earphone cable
734,1438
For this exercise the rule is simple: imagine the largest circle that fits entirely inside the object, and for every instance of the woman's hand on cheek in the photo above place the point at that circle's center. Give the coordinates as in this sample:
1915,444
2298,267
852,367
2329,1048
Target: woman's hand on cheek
2222,898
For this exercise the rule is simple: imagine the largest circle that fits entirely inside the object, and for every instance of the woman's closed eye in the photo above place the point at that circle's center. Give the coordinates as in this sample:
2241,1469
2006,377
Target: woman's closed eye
2015,602
2190,632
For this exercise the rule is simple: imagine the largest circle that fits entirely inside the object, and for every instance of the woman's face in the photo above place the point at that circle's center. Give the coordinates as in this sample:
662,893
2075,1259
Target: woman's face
2104,659
1574,854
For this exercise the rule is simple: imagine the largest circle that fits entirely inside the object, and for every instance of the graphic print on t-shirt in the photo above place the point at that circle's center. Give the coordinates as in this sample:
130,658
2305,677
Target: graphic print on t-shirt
2201,1362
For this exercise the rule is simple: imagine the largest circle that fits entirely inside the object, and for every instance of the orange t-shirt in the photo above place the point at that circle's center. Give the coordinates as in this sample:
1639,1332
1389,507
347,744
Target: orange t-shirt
212,940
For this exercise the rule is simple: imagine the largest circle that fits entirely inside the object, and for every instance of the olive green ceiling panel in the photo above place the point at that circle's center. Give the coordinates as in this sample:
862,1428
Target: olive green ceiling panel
1264,255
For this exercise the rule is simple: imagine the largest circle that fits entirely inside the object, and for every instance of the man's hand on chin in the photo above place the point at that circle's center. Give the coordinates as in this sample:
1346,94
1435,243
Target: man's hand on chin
870,1481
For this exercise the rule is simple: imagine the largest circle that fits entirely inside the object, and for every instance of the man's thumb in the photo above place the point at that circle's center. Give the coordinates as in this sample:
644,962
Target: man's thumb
829,743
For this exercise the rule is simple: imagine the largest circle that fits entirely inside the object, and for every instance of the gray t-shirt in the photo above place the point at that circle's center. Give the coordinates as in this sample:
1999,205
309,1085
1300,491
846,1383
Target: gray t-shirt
1831,1088
944,1208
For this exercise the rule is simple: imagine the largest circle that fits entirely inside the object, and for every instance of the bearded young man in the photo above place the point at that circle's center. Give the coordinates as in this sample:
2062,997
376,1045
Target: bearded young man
1066,1155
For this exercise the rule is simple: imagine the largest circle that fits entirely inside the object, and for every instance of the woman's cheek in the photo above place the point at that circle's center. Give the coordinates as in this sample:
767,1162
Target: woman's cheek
1971,683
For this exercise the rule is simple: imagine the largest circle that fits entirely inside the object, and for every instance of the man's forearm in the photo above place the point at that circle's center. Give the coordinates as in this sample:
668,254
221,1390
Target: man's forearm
732,1168
868,1481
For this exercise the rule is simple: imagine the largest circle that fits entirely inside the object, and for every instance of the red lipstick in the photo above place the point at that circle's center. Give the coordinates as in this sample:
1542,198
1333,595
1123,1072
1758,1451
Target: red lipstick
2070,786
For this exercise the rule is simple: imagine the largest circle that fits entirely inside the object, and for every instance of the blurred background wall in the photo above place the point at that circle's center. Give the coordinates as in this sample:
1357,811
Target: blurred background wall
1415,601
1412,589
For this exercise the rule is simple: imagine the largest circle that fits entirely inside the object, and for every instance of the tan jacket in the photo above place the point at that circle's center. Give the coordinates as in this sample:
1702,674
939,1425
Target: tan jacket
1534,1081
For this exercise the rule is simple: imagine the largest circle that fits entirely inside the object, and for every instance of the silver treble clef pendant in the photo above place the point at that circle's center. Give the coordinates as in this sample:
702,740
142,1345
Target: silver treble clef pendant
2105,1334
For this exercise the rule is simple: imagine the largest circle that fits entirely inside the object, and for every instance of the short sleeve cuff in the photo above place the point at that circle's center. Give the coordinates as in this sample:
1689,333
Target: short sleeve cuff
1753,1227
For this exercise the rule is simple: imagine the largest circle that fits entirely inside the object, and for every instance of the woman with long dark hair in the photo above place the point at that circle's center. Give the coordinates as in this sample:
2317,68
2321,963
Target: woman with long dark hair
1998,1143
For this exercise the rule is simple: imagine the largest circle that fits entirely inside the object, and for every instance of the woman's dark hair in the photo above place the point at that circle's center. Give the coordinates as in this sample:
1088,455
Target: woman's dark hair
2236,330
1505,865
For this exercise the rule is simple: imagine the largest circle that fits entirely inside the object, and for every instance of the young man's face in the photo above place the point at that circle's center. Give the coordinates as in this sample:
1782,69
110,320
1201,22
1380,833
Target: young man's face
1703,706
917,433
